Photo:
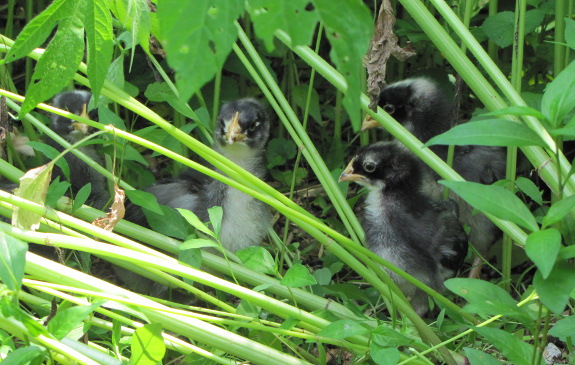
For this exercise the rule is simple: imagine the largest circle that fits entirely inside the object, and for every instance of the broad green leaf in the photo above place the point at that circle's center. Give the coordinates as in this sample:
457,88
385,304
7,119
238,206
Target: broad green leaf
33,186
216,215
298,276
12,261
494,200
349,28
198,36
25,355
300,94
559,97
477,357
58,65
258,259
568,132
148,346
500,27
82,196
485,298
145,200
160,91
285,177
135,16
99,36
193,219
384,356
170,222
295,17
558,210
515,350
279,151
520,110
490,132
570,32
555,290
529,188
68,319
341,329
564,328
542,247
56,190
384,336
38,29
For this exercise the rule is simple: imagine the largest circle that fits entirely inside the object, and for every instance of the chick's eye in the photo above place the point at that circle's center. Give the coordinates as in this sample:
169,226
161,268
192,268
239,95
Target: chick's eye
254,126
369,166
389,108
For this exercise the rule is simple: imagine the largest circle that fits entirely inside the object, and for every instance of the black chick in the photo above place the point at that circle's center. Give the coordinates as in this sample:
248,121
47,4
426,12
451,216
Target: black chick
241,134
426,111
80,173
403,225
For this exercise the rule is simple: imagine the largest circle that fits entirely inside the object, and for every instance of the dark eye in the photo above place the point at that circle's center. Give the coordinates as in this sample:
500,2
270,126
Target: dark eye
254,126
369,166
389,108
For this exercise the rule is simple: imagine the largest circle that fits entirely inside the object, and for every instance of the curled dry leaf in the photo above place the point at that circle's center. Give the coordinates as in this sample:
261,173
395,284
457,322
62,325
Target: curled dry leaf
115,213
383,45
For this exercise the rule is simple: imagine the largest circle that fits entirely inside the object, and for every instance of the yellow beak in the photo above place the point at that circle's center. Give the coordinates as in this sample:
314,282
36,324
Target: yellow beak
81,127
234,131
368,123
348,175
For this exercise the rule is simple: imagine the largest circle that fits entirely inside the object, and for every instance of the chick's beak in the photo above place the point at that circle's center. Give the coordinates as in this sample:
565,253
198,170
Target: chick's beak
81,127
348,175
368,123
234,131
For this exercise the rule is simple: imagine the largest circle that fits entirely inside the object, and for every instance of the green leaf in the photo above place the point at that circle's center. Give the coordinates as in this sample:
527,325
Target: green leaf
193,219
494,200
148,345
486,299
51,153
68,319
258,259
33,186
515,350
529,188
542,247
555,290
384,356
99,36
58,65
38,29
490,132
12,261
197,243
564,328
477,357
559,97
56,190
500,27
285,177
298,276
520,110
135,16
349,28
570,32
145,200
293,17
299,95
161,92
216,215
279,151
170,222
82,196
198,36
341,329
384,336
25,355
558,210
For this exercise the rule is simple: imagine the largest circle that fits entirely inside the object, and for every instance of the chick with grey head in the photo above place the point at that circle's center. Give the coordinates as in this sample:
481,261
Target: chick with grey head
403,225
241,134
80,172
425,110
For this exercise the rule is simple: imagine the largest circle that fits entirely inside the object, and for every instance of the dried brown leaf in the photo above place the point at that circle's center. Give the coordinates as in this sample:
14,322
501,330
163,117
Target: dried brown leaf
383,46
116,212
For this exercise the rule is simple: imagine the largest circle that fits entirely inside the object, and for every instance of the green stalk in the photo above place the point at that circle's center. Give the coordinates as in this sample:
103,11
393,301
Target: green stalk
216,101
491,45
310,152
559,47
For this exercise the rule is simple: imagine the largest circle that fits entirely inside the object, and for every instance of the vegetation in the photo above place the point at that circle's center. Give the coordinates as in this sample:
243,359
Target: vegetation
159,72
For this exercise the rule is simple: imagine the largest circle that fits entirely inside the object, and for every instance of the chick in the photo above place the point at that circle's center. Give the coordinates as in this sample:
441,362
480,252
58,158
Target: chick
426,111
403,225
